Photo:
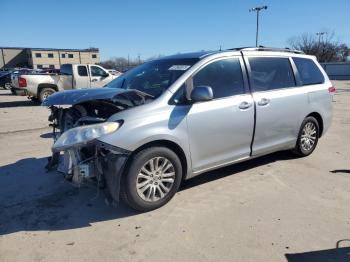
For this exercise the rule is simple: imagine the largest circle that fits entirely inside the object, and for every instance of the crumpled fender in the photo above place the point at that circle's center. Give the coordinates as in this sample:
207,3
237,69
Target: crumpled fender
113,166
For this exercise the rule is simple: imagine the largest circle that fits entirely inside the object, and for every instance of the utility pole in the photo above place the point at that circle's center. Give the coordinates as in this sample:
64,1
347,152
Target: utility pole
257,10
320,34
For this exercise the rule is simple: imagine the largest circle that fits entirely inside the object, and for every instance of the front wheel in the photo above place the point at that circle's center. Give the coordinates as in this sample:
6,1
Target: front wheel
153,178
308,137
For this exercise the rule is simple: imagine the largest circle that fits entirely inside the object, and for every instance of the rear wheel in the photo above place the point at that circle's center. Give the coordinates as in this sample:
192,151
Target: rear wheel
45,93
153,178
308,137
7,86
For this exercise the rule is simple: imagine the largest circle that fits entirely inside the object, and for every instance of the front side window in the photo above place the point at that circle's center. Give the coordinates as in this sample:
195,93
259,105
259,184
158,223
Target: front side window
223,76
154,77
82,71
269,73
309,73
96,71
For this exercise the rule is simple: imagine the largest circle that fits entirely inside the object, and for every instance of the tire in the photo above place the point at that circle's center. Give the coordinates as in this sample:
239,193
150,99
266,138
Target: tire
303,147
7,86
45,92
154,182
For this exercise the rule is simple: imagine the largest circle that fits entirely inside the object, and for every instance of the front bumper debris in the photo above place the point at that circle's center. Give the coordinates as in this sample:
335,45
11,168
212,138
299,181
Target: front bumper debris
106,168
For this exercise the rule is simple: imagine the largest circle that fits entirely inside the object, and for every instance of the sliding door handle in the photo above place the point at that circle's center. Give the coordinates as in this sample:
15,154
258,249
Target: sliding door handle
264,102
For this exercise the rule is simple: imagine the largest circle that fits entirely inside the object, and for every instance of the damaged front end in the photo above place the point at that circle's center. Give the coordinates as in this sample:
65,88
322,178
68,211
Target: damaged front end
77,152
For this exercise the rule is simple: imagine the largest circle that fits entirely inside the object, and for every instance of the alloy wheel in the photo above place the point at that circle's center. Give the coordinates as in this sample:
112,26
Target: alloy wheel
155,179
308,136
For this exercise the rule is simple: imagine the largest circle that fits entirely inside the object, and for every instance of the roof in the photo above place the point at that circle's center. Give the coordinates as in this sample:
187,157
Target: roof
91,49
202,54
195,55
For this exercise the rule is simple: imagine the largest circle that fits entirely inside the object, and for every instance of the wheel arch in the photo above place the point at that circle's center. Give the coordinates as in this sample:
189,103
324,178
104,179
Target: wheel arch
42,86
319,119
168,144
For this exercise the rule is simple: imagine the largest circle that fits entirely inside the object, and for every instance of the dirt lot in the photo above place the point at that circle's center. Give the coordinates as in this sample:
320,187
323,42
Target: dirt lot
276,208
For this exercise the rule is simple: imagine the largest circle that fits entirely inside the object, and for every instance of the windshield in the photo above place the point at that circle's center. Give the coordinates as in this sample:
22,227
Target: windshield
153,77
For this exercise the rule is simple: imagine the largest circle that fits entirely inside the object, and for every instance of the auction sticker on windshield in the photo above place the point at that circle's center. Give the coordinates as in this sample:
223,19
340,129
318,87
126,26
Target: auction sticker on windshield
179,67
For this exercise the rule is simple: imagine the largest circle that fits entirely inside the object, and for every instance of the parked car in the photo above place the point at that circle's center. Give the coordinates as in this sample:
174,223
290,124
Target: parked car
72,76
5,80
114,72
176,117
15,88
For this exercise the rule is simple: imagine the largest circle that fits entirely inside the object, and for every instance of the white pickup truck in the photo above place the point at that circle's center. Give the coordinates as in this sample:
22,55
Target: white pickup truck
72,76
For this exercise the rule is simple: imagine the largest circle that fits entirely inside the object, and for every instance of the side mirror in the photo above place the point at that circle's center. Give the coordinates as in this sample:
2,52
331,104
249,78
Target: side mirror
202,93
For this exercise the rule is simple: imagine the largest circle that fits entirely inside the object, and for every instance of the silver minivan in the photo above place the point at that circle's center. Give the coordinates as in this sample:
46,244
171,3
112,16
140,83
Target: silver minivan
176,117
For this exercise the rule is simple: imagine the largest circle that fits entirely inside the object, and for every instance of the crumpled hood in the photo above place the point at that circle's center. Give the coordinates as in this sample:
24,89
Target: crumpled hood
72,97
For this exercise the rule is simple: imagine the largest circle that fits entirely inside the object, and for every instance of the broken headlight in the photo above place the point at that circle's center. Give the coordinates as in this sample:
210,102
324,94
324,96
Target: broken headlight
81,135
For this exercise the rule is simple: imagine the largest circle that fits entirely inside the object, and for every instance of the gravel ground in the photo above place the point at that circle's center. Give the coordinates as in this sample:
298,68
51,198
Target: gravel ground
275,208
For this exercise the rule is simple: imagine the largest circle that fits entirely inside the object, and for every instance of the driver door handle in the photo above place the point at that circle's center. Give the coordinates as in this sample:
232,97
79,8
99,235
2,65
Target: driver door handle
264,102
245,105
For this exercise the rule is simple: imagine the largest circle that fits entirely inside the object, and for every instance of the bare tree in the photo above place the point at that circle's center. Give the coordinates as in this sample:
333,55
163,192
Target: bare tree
121,63
323,46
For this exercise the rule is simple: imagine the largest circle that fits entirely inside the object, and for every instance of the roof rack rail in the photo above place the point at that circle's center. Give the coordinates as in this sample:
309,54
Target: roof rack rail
263,48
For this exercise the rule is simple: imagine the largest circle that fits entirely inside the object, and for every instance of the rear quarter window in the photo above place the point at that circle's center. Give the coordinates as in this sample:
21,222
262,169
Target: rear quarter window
309,72
82,71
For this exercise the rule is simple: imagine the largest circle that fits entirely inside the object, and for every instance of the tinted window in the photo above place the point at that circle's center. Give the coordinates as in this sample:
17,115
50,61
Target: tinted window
70,55
50,55
66,69
308,71
224,77
96,71
268,73
82,71
37,54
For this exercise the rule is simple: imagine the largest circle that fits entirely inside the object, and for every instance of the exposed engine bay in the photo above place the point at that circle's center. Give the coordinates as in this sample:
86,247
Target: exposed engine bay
82,161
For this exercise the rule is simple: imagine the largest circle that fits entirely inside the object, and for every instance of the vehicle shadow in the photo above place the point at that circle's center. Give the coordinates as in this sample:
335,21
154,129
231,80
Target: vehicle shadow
339,254
32,200
18,104
237,168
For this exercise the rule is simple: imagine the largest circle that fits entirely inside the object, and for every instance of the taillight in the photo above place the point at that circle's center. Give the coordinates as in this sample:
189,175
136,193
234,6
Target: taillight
22,82
331,89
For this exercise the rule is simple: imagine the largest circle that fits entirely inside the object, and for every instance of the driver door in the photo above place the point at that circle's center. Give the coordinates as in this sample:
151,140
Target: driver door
220,130
99,77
